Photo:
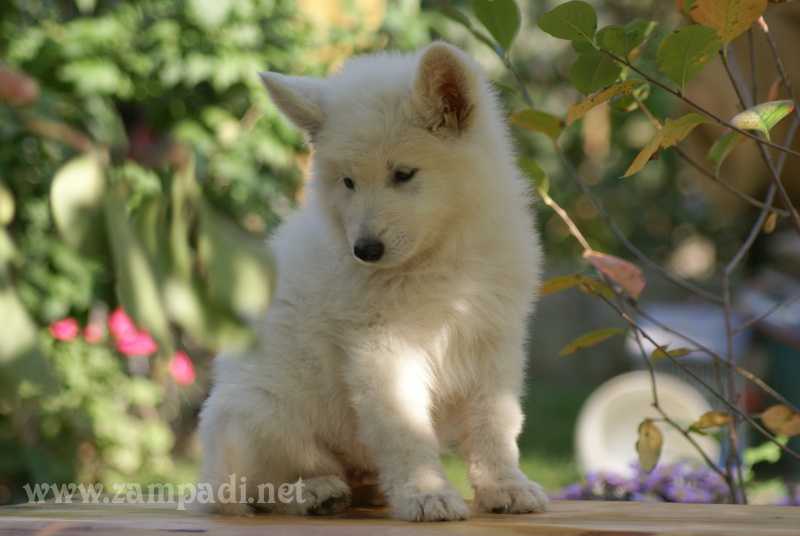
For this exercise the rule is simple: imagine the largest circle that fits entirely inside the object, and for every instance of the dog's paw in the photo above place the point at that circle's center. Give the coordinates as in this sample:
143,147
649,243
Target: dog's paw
442,505
517,496
323,496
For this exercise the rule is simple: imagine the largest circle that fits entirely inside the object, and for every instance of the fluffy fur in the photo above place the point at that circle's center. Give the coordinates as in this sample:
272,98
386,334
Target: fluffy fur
372,367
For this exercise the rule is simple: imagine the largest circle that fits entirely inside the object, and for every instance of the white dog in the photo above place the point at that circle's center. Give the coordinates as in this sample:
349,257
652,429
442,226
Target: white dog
403,292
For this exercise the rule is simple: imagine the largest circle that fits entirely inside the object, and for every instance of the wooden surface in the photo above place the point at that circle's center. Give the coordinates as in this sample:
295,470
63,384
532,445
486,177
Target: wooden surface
565,518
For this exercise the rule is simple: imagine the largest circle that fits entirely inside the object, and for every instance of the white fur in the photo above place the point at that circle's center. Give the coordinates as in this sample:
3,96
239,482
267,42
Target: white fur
377,366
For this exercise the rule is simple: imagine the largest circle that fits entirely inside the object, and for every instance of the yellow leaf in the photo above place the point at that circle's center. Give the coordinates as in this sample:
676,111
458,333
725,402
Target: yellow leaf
660,353
626,274
649,444
781,420
587,340
677,129
576,111
711,419
644,155
730,18
770,223
559,283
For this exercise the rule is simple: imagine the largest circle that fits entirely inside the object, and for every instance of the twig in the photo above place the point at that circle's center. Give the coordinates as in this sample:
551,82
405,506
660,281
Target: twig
762,316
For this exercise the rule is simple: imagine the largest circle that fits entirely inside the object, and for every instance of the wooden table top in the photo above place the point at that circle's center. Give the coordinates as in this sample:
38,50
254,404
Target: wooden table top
565,518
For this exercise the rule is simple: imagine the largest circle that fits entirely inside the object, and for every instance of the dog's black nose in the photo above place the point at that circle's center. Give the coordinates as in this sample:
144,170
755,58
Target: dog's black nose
368,249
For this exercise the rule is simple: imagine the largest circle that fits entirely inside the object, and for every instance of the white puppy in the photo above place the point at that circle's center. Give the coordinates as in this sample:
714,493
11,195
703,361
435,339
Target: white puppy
404,287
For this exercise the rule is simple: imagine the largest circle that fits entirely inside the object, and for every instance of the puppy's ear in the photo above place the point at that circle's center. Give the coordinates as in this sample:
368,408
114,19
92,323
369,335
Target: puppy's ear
298,97
445,90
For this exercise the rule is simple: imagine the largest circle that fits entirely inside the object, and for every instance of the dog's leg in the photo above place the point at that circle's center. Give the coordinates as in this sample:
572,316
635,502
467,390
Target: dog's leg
494,420
391,396
266,446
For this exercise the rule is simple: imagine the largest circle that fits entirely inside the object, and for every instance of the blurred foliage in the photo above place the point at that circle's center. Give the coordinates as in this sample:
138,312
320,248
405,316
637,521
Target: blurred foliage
142,165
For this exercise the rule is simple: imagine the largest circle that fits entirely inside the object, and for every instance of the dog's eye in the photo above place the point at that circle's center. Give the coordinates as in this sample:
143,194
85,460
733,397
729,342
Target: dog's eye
348,183
404,175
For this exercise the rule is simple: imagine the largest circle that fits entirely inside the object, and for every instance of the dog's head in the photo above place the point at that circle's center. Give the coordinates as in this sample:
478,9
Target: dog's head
393,146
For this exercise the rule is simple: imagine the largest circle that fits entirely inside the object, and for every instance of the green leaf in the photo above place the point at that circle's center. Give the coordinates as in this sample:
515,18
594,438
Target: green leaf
575,20
76,200
559,283
459,17
628,103
578,110
539,176
537,121
593,71
624,41
764,116
722,148
136,284
500,17
685,52
587,340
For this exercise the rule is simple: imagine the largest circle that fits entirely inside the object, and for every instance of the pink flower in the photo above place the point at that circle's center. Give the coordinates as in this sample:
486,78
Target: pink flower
182,369
65,329
93,333
120,324
136,343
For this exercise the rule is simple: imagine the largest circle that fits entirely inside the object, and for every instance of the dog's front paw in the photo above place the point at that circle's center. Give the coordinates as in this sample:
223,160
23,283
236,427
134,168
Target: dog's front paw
516,496
439,505
322,496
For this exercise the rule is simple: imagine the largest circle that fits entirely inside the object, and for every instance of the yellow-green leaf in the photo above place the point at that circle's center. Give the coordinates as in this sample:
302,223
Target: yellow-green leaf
722,148
711,419
730,18
537,121
6,205
76,200
649,444
683,53
764,116
539,176
559,283
587,340
664,353
576,111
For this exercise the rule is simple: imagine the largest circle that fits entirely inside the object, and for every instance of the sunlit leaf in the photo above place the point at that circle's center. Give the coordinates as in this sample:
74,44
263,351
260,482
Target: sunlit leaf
685,52
574,20
722,148
625,274
648,445
76,199
587,340
664,353
537,121
711,419
781,420
730,18
592,71
539,176
500,17
238,266
6,205
578,110
764,116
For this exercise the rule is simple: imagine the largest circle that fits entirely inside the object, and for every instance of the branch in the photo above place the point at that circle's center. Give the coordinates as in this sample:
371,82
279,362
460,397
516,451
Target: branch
762,316
707,113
